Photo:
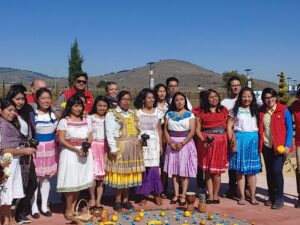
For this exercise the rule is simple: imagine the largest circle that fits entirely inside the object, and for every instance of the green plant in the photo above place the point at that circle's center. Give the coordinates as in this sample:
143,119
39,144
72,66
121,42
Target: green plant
284,97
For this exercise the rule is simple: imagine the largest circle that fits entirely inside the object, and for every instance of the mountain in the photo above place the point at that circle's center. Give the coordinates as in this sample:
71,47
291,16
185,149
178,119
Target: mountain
10,75
188,74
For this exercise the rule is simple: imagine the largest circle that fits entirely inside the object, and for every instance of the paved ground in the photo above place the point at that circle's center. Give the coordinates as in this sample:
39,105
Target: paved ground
227,209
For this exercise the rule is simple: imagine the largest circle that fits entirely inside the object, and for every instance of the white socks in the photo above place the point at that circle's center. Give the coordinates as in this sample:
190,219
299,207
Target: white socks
44,186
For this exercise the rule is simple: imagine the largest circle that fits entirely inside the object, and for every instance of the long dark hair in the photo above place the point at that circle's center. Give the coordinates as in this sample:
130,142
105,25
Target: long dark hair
74,100
5,103
156,88
98,99
253,106
140,98
173,106
202,96
26,111
38,94
206,105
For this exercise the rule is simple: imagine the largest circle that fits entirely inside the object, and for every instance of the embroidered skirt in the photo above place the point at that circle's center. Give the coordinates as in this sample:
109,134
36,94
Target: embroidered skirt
46,159
126,170
247,159
75,173
182,163
214,159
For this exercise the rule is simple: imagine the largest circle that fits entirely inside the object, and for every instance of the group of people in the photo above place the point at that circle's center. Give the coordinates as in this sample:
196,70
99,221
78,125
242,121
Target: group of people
91,143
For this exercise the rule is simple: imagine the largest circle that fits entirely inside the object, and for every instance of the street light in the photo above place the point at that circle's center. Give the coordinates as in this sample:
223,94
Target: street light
249,82
151,77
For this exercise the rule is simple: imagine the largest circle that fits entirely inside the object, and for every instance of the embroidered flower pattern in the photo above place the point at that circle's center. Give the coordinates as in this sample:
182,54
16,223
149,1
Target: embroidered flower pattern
176,117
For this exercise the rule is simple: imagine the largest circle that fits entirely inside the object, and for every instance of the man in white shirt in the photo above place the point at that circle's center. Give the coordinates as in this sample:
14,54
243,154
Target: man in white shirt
233,87
172,84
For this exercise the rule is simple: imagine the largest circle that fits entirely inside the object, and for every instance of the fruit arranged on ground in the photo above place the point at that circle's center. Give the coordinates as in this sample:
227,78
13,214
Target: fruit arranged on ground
211,217
114,218
137,218
187,213
154,222
162,213
202,222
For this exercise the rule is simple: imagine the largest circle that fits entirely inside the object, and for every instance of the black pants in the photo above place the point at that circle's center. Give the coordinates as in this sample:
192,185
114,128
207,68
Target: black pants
24,205
274,165
232,181
200,179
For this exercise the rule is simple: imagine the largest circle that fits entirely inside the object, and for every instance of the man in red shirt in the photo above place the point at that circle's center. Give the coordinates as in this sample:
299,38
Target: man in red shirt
79,85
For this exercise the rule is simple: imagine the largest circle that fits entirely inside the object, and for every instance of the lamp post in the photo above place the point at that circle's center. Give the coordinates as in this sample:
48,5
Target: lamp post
151,77
289,84
249,82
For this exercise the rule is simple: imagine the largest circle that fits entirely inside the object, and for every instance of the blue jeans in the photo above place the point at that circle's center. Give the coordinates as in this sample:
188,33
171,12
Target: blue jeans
274,165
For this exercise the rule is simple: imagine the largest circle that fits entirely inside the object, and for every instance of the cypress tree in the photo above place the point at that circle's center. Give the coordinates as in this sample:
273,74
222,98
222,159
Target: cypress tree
75,62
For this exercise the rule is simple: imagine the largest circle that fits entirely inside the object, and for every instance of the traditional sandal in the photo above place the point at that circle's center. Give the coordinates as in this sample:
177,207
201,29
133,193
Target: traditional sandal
70,217
182,203
242,201
174,200
253,201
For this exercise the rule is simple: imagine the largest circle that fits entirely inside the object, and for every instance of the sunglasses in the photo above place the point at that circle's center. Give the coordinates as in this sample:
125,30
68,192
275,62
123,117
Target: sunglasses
81,81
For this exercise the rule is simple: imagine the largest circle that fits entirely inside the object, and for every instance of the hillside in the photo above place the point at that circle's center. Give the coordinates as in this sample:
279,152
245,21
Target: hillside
189,75
10,75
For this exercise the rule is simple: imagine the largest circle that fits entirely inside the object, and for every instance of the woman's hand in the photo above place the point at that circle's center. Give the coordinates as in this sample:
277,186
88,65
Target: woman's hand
206,144
81,153
5,164
173,146
112,156
232,145
287,151
179,146
28,151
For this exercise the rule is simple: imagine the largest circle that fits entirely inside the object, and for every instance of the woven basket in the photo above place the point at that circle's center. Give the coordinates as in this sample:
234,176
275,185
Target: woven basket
83,219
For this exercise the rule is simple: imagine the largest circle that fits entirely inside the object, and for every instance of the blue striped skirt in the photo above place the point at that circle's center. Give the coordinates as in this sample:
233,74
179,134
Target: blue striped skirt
247,159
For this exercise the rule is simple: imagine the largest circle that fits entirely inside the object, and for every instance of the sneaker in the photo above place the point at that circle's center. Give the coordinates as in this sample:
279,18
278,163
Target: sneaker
117,206
277,205
22,219
127,205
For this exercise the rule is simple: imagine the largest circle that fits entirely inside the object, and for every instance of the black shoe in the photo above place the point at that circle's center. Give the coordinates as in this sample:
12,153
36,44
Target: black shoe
47,214
117,206
277,205
217,201
35,216
127,205
22,219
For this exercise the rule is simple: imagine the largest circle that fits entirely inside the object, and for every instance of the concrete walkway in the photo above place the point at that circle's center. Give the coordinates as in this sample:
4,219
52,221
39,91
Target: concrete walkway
259,214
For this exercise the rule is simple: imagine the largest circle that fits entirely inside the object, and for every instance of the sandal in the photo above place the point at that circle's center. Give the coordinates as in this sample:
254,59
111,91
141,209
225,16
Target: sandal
253,201
174,200
157,200
241,201
182,203
163,196
70,217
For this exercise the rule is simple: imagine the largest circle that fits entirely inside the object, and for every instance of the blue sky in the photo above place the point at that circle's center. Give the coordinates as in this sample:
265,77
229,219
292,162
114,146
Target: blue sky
114,35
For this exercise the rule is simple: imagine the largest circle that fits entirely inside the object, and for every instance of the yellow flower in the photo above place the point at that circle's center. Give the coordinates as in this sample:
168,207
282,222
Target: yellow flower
280,149
63,105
